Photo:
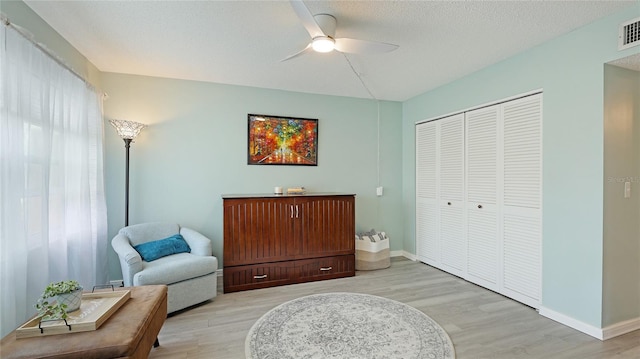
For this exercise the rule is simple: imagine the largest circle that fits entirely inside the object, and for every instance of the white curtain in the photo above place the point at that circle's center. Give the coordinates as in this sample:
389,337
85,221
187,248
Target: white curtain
53,223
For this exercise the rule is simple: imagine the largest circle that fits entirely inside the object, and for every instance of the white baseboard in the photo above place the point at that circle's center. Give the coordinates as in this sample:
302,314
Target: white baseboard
621,328
608,332
571,322
403,254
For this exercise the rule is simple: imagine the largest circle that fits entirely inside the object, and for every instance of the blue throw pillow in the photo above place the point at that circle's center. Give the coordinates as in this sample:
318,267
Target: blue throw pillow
150,251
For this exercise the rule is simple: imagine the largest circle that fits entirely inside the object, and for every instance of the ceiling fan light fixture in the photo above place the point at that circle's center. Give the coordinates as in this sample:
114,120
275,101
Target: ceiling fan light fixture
323,44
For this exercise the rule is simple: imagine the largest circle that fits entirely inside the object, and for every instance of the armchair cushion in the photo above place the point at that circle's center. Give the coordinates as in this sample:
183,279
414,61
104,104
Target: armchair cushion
175,268
150,251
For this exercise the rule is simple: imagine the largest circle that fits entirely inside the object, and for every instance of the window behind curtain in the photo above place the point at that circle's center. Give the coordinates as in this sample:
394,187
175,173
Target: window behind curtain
53,212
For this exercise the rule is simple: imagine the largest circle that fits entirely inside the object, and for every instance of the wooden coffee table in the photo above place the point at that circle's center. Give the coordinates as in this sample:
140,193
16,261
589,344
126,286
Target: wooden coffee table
129,333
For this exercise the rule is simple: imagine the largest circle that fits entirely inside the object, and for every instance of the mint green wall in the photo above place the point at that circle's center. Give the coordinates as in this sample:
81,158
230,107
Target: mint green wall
621,253
194,150
570,71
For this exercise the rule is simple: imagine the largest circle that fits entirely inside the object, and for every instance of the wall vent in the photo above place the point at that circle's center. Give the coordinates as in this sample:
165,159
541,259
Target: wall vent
629,34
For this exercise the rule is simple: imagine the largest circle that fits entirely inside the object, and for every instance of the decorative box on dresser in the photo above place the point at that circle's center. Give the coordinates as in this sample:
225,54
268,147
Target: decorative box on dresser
272,240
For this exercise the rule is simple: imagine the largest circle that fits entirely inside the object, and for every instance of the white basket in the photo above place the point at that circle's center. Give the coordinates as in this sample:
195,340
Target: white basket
372,251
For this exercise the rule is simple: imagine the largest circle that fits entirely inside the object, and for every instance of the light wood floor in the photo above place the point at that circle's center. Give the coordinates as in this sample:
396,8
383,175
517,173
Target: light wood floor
481,323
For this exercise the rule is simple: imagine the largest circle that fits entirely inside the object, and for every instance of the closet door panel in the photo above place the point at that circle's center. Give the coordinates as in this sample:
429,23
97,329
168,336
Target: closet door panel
452,239
483,258
522,215
522,257
482,156
451,194
523,152
451,158
482,147
426,156
427,248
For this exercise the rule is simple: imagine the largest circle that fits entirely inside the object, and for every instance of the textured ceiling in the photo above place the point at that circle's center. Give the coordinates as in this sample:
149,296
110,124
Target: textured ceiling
630,62
242,42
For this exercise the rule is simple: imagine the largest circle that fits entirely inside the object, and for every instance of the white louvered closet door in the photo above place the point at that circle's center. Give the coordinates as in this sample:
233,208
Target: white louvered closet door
478,189
522,210
482,149
451,194
427,247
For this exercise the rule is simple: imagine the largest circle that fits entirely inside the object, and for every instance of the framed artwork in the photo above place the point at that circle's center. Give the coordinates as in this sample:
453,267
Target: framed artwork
275,140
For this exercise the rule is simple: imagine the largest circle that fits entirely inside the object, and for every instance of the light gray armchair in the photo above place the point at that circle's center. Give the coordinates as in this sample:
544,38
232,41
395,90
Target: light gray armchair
190,277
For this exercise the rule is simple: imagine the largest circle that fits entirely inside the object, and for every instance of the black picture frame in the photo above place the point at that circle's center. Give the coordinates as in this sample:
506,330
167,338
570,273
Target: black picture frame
283,141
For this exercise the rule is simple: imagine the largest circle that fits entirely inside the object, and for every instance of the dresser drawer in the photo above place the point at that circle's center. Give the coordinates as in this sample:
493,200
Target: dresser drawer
258,276
326,268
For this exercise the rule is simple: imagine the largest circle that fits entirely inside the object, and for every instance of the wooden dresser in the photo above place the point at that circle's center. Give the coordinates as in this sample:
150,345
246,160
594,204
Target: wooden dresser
272,240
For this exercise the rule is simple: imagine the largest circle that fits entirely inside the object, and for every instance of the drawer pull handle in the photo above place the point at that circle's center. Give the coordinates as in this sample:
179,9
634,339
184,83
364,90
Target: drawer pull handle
260,276
324,269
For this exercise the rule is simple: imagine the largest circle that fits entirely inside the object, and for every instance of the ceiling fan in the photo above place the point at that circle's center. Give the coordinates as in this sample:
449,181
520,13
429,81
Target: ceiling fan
322,28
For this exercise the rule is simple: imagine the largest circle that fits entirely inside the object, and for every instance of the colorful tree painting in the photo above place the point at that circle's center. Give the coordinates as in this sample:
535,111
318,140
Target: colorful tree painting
277,140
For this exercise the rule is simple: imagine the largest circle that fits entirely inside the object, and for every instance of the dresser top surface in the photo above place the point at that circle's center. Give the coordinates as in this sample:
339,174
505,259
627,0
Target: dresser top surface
273,195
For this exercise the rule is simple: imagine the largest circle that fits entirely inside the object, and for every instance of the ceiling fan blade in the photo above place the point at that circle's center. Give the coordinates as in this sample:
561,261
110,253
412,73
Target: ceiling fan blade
306,49
307,19
354,46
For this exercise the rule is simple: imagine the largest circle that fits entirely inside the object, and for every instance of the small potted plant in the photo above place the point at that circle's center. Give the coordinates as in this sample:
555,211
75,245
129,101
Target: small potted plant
58,299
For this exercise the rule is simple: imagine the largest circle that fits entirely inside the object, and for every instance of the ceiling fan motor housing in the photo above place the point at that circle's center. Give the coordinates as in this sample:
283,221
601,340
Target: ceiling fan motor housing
327,23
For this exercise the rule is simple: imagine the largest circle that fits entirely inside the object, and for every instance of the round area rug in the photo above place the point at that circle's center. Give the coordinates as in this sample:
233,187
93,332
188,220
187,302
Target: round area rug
346,325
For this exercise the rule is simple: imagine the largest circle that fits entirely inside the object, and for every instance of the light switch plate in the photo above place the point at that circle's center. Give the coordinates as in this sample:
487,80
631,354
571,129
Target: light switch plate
379,191
627,190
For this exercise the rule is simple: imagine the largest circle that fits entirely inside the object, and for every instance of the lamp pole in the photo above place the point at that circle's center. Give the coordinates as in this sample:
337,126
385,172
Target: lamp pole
127,145
127,130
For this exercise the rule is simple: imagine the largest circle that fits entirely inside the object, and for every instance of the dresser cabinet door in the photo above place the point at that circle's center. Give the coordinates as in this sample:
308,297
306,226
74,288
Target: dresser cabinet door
325,225
258,230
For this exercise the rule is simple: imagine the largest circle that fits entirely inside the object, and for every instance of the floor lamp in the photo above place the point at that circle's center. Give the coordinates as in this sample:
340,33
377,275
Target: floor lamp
127,130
